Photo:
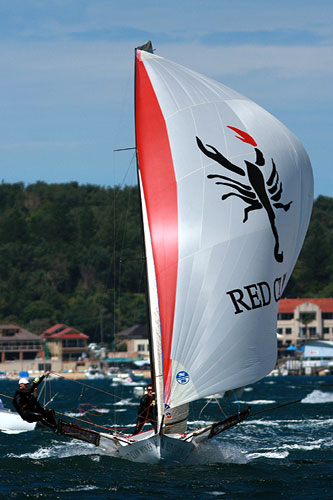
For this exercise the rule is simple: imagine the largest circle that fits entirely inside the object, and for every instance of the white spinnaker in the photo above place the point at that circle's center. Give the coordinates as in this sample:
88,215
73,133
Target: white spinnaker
218,252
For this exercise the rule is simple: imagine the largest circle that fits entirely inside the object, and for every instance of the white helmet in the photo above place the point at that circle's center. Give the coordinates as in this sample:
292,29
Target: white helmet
24,381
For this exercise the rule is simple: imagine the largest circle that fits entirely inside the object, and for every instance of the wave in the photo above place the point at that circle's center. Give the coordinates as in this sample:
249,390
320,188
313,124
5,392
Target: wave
292,423
96,411
15,431
62,450
257,402
126,402
268,454
84,488
318,397
215,452
200,423
215,493
305,447
264,423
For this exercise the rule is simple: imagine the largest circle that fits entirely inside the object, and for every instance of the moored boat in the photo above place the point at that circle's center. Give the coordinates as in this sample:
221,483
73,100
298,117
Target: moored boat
12,423
94,372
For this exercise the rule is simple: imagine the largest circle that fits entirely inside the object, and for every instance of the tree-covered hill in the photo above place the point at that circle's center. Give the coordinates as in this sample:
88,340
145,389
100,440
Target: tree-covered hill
64,250
73,254
313,274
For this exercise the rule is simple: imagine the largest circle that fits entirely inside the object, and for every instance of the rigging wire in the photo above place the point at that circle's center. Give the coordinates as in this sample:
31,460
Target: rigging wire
276,407
86,412
42,392
5,396
121,125
238,404
205,406
81,406
52,399
212,398
123,149
86,385
79,419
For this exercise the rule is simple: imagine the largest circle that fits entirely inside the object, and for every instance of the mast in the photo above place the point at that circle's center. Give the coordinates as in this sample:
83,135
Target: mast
154,324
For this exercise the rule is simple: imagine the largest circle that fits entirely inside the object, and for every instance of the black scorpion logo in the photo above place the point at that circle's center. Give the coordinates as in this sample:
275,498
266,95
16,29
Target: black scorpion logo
255,194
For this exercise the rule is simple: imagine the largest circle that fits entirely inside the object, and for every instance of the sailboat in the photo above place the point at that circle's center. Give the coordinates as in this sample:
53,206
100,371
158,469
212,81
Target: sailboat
226,193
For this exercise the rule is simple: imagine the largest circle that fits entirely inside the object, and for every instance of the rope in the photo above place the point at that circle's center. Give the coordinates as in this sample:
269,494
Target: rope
221,410
202,409
5,396
275,407
91,423
81,406
218,404
86,385
86,412
238,404
50,400
43,391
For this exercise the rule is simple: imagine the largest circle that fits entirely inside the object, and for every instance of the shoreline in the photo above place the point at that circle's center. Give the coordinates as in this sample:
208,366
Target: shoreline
73,376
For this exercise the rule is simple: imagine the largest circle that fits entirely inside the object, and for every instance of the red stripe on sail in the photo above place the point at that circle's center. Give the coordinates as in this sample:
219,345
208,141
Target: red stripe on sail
160,191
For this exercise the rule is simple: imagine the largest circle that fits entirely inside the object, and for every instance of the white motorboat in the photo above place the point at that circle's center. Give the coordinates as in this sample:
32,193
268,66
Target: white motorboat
94,372
12,423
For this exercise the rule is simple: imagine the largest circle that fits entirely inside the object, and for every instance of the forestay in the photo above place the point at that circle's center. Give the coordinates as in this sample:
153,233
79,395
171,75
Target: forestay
227,192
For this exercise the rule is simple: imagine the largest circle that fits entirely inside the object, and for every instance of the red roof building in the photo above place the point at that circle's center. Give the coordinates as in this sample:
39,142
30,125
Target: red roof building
305,319
65,342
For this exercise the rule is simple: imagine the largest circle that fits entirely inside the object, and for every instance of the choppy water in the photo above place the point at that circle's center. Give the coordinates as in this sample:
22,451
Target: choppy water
287,453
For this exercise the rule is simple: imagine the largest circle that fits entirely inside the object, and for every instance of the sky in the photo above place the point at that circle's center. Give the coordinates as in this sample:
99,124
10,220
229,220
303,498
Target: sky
66,77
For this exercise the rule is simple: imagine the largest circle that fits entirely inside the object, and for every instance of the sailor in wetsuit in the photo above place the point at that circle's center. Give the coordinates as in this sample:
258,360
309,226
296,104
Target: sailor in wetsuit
146,410
26,403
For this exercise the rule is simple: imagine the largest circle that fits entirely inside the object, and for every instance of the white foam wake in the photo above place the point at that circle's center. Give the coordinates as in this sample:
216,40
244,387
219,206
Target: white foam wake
318,397
257,402
62,450
268,454
215,452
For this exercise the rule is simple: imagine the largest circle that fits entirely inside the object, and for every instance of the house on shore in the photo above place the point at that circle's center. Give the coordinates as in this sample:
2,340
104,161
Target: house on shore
57,349
303,320
65,343
133,343
18,344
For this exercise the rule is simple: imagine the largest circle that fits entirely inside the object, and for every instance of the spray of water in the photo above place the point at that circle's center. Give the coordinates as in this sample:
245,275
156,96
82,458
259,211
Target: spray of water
318,397
215,452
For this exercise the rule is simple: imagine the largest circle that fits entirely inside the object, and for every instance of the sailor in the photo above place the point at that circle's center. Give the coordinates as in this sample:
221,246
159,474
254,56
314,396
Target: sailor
26,403
146,410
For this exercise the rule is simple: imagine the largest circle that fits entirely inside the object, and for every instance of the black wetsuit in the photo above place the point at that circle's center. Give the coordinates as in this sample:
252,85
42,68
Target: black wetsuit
28,407
146,413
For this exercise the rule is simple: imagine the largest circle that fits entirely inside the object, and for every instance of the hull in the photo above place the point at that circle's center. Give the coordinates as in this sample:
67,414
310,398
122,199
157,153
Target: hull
148,448
172,449
11,422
